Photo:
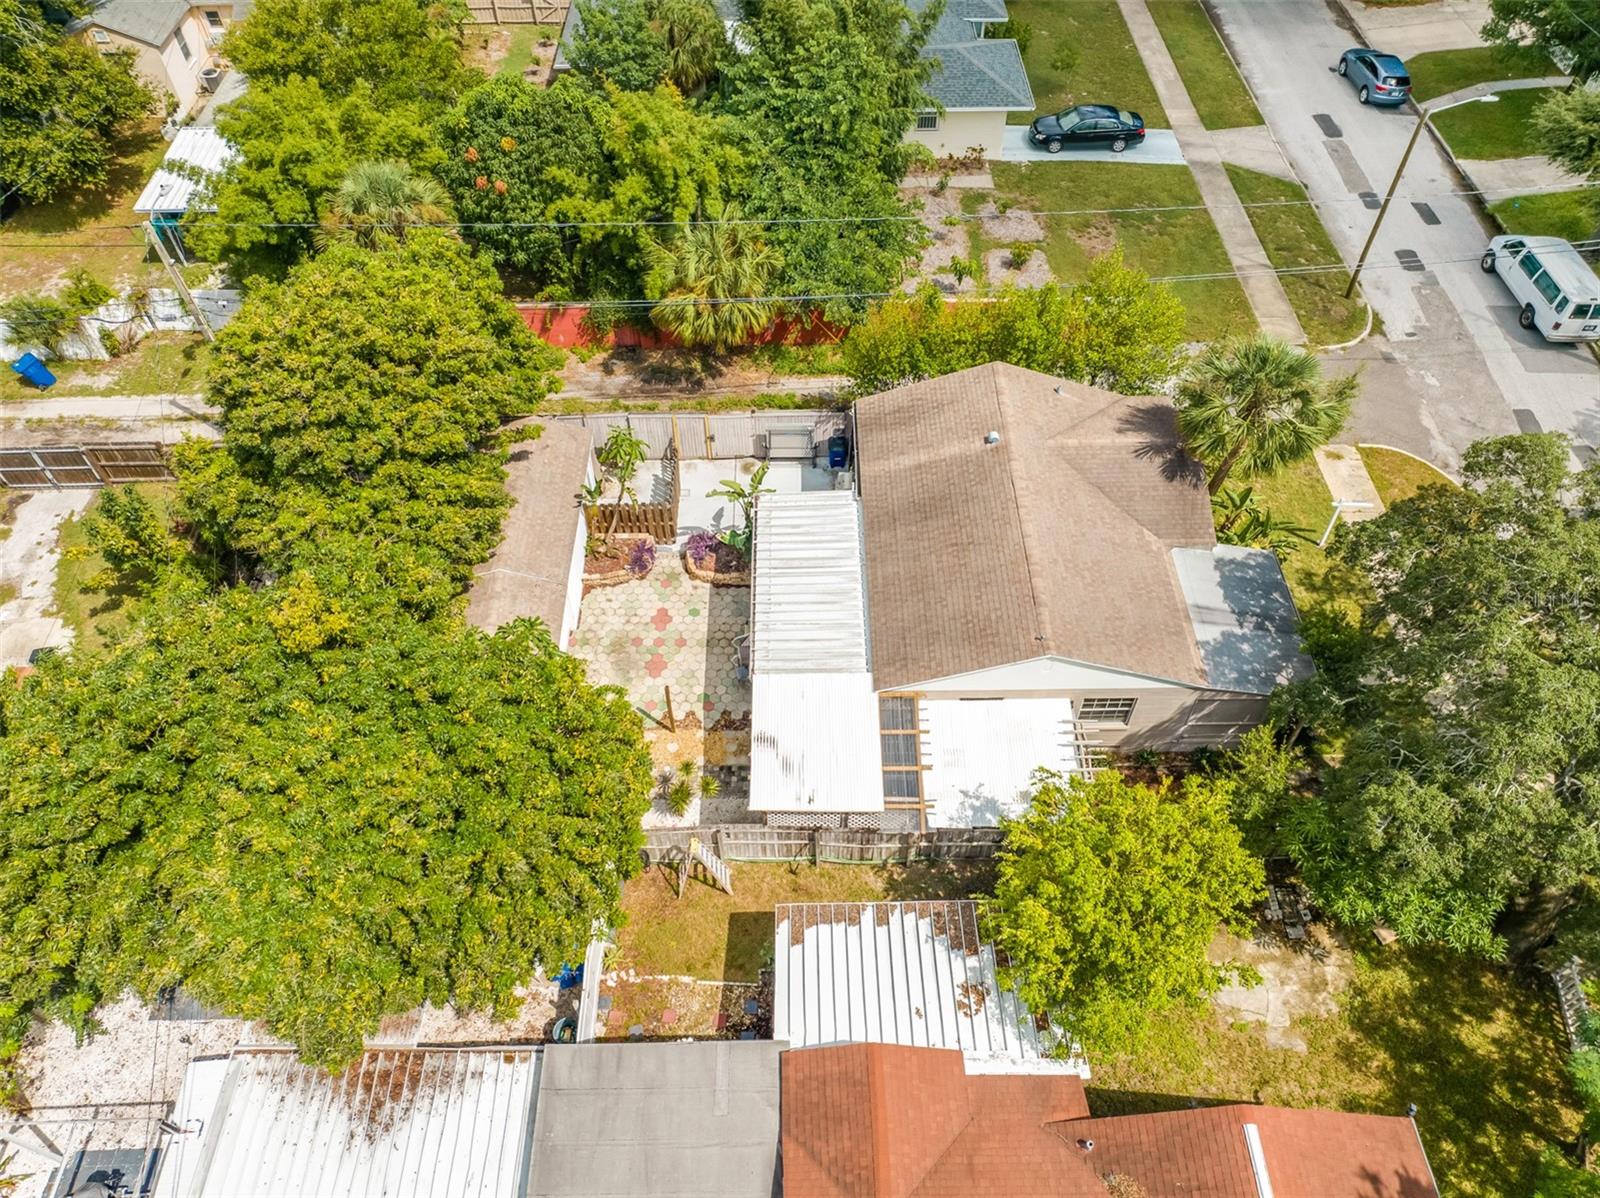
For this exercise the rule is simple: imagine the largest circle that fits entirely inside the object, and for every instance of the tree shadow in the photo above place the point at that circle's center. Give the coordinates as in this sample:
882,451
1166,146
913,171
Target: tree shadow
1156,426
125,173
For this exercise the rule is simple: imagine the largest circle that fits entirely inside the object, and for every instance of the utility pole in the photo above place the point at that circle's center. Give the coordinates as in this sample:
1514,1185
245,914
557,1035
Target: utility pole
1383,211
177,281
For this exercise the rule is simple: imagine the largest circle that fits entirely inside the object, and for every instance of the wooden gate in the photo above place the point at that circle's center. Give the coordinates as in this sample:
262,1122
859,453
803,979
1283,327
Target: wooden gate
60,466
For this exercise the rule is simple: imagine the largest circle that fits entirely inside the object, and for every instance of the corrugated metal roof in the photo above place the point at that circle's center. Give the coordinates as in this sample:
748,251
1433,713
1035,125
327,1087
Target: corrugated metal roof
809,608
916,974
196,148
982,753
814,743
405,1123
1244,617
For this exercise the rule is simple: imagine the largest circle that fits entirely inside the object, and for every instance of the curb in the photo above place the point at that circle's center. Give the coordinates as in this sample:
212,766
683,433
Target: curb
1359,337
1406,453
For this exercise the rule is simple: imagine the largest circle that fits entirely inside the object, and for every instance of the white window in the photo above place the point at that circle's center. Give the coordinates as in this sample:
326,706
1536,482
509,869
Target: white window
101,36
183,46
927,121
214,19
1106,711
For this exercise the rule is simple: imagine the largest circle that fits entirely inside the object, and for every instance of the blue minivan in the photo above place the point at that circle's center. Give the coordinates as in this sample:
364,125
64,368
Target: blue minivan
1378,78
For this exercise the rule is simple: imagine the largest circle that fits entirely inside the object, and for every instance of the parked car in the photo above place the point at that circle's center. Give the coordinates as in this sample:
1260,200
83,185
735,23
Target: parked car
1378,78
1559,293
1088,125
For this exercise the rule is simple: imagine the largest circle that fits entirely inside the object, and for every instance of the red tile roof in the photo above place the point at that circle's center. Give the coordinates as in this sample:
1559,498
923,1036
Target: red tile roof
886,1121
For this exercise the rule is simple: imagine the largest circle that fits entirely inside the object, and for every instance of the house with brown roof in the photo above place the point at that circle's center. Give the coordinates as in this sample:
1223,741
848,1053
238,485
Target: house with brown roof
537,569
888,1121
1038,576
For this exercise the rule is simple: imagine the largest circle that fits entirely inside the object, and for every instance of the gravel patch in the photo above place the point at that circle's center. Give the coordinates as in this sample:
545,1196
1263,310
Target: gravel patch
1014,224
1034,273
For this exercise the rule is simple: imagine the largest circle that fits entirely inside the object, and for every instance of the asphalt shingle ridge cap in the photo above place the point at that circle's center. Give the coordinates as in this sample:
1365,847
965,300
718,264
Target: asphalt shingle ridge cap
1041,635
964,49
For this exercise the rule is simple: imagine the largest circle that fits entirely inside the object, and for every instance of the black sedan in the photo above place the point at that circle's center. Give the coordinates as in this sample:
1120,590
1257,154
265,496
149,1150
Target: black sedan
1090,125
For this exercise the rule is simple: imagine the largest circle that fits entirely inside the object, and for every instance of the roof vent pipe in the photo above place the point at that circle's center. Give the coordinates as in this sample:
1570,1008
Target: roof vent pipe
1086,1145
991,438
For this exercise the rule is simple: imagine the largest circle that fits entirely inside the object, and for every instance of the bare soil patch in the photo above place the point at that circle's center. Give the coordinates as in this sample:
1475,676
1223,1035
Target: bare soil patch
1014,224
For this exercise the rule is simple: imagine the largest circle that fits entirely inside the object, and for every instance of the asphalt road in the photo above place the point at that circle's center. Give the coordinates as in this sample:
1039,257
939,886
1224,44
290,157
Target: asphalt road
1453,365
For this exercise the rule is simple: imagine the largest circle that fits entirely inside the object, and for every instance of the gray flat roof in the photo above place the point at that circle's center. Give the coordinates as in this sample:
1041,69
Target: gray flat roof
684,1120
1244,617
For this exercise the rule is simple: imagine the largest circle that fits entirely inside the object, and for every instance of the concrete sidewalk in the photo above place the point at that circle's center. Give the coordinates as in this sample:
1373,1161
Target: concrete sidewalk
1348,481
1417,28
1262,288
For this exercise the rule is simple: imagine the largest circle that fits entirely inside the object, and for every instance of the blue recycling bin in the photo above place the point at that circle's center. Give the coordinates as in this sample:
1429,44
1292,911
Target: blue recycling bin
838,451
30,368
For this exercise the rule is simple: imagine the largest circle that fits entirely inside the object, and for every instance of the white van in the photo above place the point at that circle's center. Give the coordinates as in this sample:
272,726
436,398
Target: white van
1559,294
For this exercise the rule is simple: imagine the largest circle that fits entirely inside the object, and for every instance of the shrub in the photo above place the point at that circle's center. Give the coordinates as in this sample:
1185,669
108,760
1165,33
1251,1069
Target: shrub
36,320
110,342
641,558
1019,30
679,795
701,546
84,292
1020,254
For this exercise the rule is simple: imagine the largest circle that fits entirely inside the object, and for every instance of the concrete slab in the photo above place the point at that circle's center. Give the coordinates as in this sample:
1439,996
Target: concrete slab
1347,478
1414,29
697,512
28,559
1502,177
1255,149
1160,147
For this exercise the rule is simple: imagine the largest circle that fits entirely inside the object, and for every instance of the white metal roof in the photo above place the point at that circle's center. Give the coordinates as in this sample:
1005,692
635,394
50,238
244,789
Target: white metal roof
196,148
809,607
981,755
404,1123
814,743
1244,618
914,974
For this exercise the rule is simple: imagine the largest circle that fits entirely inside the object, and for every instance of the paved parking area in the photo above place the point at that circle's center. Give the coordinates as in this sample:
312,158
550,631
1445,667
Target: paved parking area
1160,148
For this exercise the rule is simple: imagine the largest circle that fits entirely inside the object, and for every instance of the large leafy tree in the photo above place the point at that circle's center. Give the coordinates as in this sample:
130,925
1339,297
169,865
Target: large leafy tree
1567,126
408,52
1116,330
316,812
1259,404
711,281
61,104
617,44
502,146
1469,714
1567,29
362,399
297,142
1109,893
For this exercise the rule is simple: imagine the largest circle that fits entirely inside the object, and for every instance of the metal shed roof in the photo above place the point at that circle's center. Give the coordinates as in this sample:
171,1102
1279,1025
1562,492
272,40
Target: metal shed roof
197,151
809,608
405,1123
916,974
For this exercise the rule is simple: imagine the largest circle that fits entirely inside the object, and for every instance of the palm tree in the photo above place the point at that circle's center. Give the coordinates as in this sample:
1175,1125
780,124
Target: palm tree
711,280
695,41
620,457
1259,404
382,199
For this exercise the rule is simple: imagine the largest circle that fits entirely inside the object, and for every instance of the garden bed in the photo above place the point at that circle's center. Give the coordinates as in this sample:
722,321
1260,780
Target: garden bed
715,562
630,556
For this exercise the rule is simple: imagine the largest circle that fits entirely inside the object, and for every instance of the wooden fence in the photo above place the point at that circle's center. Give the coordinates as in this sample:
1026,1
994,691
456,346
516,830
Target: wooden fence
658,520
755,842
517,12
57,467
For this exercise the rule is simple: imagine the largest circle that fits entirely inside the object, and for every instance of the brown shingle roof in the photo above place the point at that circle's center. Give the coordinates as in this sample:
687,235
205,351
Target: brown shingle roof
885,1121
1057,540
528,572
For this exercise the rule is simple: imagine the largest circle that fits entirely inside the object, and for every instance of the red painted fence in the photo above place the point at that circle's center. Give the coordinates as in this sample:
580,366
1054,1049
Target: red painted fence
563,325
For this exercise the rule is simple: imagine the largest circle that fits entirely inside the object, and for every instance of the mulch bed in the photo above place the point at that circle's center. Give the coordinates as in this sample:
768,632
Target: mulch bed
609,567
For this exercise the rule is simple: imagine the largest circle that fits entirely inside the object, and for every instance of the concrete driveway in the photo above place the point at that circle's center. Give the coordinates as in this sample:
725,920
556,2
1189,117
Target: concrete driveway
1454,367
1160,147
28,559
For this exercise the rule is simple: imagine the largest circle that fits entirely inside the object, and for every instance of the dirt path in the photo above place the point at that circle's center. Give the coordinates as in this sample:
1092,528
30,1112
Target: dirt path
28,560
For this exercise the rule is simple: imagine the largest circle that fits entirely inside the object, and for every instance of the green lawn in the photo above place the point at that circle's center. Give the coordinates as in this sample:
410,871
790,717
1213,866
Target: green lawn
524,41
1399,475
1477,1047
1164,244
1574,215
162,364
1300,496
1500,130
716,936
1219,94
1440,72
1082,53
95,616
1292,235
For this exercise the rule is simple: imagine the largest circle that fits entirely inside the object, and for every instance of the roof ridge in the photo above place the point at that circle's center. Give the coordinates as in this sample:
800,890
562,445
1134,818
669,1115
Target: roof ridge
966,47
1042,639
